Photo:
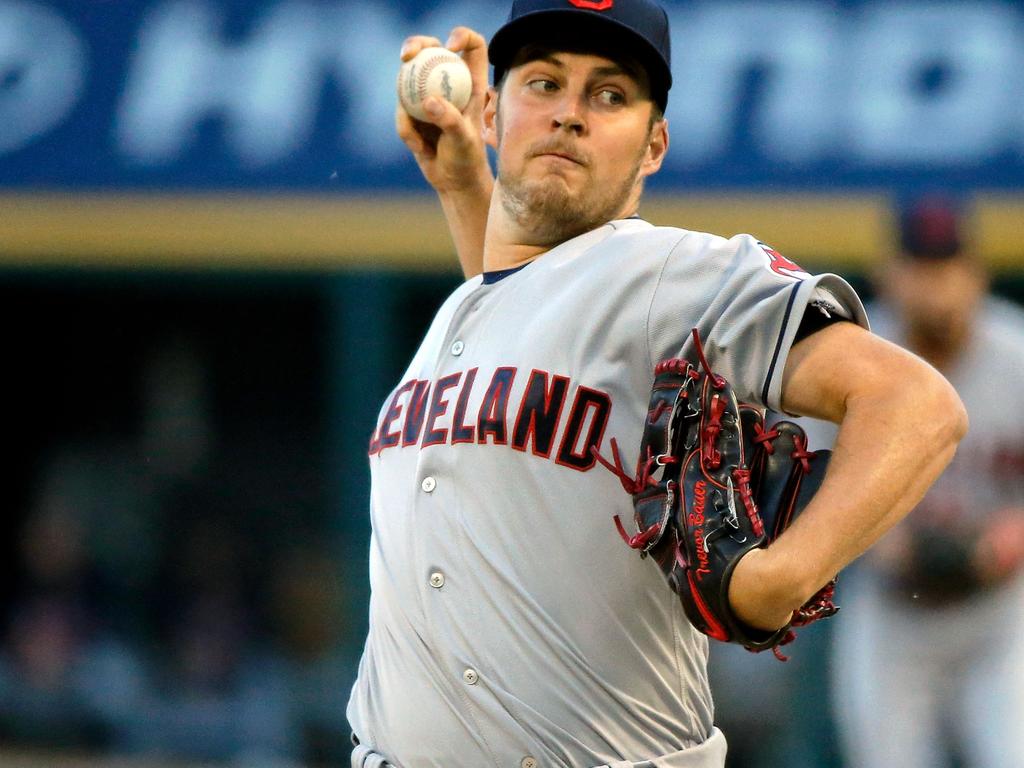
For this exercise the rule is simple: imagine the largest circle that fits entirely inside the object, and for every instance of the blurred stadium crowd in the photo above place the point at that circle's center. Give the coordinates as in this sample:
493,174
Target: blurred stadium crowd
171,592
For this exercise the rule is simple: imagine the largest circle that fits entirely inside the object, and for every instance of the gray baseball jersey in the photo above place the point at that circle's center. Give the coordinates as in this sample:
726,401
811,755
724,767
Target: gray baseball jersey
509,624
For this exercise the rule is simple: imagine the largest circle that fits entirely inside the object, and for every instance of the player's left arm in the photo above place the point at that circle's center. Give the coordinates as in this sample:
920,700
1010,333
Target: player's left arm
899,424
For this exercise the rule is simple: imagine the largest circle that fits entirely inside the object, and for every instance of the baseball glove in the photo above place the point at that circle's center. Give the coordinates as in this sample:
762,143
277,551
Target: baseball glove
711,483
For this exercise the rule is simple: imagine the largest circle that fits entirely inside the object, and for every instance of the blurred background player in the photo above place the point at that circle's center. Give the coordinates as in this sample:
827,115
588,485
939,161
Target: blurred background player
928,667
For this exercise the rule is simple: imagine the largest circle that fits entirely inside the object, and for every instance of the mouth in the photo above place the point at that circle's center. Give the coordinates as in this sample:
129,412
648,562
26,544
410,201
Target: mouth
567,157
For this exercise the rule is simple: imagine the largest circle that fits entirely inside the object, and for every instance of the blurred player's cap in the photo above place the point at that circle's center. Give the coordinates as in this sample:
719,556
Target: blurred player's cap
930,228
611,27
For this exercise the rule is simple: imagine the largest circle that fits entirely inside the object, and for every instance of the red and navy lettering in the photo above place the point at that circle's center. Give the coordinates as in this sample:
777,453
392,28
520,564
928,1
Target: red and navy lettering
539,413
589,402
434,414
438,407
415,412
494,408
462,432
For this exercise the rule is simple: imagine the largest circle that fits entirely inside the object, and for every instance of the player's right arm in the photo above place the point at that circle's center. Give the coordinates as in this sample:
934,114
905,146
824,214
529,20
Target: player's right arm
450,149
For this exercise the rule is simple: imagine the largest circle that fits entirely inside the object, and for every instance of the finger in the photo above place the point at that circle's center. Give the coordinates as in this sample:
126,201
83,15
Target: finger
411,136
447,120
473,47
416,43
445,116
465,40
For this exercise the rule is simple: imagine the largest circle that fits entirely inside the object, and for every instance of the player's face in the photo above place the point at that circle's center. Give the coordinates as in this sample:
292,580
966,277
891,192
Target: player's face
575,138
936,298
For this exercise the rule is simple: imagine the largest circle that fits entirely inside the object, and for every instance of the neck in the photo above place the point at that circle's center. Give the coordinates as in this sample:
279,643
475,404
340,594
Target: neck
509,244
506,245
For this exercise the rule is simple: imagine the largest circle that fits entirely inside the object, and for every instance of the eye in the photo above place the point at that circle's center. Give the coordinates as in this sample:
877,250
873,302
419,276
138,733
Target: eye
610,97
542,85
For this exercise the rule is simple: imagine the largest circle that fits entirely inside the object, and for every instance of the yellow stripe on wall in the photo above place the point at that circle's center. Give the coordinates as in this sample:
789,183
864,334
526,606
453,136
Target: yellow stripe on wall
222,231
841,231
999,229
217,231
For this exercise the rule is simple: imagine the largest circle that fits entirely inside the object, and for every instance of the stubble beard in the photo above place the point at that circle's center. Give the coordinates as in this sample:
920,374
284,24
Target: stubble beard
552,212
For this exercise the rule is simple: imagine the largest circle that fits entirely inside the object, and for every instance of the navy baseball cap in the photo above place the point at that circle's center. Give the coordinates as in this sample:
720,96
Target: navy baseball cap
930,228
611,27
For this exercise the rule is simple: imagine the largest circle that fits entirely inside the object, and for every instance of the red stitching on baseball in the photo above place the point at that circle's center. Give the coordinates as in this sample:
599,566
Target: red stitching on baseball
424,73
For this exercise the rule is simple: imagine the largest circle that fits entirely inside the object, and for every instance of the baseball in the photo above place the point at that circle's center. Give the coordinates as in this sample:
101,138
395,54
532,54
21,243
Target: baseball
433,72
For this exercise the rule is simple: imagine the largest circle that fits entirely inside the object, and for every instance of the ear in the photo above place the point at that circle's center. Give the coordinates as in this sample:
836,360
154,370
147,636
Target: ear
490,117
657,146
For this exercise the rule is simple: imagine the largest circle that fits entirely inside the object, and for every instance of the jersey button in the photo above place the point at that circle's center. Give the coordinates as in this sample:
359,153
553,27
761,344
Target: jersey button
437,580
528,762
428,484
470,676
457,348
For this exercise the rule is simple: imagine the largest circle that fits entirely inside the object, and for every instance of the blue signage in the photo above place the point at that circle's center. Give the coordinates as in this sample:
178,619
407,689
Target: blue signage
299,95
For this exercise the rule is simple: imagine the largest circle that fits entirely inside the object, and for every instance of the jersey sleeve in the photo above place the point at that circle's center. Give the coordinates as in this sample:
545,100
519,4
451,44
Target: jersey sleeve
747,301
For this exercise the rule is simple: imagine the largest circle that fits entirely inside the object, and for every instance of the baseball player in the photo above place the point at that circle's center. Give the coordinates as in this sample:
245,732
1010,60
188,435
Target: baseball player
509,625
928,659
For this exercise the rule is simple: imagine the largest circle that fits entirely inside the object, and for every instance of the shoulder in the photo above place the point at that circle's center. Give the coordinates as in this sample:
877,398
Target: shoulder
642,230
643,235
705,247
622,249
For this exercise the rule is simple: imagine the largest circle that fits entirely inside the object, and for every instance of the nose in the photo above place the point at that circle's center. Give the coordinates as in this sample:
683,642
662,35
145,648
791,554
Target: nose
569,116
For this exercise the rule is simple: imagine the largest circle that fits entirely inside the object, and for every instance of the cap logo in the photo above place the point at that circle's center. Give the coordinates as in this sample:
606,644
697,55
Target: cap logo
593,5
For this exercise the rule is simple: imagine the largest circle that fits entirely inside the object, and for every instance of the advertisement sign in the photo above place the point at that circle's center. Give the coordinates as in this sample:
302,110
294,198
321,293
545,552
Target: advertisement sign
299,95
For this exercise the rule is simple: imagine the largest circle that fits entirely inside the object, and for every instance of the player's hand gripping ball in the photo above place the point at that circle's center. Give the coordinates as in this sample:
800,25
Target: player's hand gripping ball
433,72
